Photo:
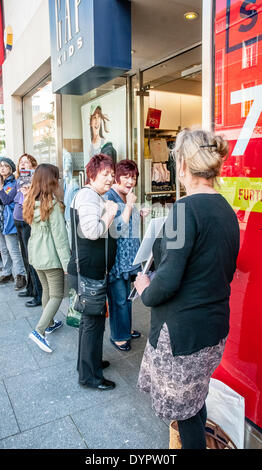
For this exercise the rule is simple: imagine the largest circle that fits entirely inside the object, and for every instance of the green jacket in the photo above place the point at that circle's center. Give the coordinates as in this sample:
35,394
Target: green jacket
48,245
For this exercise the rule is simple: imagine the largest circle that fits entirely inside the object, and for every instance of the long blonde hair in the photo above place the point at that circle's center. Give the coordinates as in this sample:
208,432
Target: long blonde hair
44,188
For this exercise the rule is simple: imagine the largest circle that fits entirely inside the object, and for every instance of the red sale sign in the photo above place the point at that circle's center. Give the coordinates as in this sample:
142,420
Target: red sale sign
153,118
238,116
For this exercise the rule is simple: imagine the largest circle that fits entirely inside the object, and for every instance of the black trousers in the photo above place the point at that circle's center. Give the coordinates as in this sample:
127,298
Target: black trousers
90,345
33,287
192,430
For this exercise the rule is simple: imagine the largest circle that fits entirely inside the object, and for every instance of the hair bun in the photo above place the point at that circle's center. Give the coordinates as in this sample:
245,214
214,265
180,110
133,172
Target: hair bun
221,145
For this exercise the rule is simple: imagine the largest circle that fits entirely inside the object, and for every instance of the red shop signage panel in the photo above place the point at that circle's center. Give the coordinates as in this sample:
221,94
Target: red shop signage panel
238,116
153,118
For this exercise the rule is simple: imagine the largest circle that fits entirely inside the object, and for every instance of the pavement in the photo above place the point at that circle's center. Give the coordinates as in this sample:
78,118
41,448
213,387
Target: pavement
42,406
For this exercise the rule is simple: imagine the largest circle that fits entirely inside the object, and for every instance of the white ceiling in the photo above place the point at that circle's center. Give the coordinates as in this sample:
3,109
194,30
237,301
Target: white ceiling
159,29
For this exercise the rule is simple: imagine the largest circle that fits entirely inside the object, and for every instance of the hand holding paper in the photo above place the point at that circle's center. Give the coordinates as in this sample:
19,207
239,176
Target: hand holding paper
141,283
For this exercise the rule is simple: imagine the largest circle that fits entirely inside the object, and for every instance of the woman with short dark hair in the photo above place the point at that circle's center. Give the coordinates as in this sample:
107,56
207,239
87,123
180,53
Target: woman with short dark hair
127,226
93,217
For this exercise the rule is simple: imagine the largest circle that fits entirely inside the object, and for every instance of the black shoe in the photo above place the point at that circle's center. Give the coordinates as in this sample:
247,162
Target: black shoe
105,364
24,293
5,279
123,347
135,334
33,303
105,385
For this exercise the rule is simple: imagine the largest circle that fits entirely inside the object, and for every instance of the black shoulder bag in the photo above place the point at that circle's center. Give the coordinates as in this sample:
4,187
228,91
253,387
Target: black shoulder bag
91,295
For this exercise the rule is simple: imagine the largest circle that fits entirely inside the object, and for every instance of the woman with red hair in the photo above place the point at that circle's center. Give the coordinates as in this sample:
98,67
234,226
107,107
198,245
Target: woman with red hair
93,216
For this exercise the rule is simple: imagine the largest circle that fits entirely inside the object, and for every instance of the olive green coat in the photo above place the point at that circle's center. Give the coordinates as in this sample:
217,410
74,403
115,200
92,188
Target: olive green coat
48,245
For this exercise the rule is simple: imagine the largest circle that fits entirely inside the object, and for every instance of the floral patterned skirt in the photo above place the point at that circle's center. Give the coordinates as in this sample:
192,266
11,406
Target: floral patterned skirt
178,385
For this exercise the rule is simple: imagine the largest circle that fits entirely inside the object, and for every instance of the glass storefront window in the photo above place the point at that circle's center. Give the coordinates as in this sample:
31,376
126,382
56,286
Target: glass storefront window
39,123
172,101
2,120
238,106
92,123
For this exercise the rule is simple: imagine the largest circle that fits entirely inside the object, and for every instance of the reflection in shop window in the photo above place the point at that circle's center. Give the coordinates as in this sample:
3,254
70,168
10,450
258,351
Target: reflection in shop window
44,125
39,123
2,120
246,105
219,88
249,55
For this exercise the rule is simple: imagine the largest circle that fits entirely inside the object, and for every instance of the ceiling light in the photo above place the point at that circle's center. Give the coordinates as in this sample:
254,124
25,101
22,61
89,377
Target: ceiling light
191,71
191,15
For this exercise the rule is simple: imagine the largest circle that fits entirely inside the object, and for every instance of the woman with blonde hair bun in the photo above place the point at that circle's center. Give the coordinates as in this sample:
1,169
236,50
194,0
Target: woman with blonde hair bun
189,295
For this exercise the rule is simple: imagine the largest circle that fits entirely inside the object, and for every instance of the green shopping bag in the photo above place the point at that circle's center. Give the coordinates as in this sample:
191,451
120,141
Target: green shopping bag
73,317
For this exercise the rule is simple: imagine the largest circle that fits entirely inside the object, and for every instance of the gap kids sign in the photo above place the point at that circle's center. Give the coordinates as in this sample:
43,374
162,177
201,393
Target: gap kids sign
90,43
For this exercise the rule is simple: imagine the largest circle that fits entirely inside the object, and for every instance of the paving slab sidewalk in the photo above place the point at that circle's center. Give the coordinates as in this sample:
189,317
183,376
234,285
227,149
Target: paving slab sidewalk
42,406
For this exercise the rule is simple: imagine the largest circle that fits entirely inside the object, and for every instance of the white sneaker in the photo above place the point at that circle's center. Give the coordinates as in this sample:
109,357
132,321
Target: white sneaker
40,341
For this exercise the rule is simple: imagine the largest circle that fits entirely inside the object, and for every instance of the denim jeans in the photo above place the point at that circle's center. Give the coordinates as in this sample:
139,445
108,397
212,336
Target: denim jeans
120,309
11,255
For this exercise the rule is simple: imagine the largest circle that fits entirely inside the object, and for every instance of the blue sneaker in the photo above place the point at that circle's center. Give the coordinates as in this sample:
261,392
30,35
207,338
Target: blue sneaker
40,341
54,327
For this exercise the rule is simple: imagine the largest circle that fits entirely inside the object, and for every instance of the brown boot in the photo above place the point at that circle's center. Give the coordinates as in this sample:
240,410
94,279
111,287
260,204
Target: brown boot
20,282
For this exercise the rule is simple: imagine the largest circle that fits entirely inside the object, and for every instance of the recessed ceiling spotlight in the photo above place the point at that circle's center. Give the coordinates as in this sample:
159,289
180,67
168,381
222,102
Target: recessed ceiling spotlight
191,15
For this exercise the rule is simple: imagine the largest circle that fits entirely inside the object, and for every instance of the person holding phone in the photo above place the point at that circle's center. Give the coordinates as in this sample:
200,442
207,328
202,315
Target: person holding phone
25,169
126,227
13,266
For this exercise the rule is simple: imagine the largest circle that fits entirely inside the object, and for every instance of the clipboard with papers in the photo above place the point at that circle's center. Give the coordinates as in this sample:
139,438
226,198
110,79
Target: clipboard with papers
144,256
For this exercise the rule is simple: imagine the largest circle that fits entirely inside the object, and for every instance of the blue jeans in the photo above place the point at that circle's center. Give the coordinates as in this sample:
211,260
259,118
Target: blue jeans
11,255
120,310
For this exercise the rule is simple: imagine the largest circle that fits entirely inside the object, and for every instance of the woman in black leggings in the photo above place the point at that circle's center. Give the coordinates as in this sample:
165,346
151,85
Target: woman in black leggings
195,262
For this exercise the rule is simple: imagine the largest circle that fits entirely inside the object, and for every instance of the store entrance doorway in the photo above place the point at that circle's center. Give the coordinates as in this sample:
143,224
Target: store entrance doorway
174,102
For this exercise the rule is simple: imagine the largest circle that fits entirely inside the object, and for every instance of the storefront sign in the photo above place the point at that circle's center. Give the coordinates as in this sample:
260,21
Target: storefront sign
90,43
238,116
153,118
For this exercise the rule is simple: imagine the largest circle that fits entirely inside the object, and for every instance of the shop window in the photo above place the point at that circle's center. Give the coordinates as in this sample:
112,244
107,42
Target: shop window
219,88
92,123
175,101
249,55
39,123
246,105
2,120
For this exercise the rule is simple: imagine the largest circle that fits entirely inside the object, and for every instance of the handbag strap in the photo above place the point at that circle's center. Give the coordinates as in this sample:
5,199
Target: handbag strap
76,245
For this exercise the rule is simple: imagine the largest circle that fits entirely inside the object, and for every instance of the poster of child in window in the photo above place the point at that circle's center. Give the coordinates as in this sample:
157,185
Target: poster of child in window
104,125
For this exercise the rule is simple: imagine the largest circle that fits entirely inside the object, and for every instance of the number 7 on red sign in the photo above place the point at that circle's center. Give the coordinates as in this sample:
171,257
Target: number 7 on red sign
254,94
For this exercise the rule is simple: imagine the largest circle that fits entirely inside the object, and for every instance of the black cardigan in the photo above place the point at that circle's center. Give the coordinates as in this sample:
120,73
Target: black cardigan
191,289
